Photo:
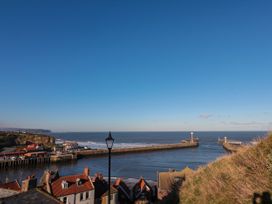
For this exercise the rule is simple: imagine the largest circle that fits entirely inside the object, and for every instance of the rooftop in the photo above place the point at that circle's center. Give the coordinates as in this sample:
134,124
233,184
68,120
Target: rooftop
73,187
7,193
13,185
31,197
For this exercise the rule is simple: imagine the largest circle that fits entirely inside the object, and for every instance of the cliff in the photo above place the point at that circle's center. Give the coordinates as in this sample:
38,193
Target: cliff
8,139
241,177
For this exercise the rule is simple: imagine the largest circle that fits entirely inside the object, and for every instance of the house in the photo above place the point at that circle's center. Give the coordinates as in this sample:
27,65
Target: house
72,189
101,186
70,146
34,147
32,196
40,154
4,193
124,193
113,196
143,193
13,188
9,188
101,190
13,185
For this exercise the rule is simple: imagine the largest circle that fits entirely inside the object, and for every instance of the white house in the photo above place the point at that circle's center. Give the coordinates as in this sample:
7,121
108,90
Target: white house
73,189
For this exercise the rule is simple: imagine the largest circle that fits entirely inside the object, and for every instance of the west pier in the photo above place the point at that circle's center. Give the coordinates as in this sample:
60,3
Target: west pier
104,152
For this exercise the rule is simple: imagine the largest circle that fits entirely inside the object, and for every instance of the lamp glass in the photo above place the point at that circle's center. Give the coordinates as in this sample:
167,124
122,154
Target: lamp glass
109,141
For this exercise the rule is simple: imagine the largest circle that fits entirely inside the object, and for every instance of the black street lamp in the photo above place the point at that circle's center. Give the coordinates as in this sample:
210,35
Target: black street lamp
109,141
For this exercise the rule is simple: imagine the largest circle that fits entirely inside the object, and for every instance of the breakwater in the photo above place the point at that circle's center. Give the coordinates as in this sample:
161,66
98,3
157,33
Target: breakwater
231,147
102,152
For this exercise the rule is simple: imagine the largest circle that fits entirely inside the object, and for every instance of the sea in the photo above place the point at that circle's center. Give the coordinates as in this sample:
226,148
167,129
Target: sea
136,165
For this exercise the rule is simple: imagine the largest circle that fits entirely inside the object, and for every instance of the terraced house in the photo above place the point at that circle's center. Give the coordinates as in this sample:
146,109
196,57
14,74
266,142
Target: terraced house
72,189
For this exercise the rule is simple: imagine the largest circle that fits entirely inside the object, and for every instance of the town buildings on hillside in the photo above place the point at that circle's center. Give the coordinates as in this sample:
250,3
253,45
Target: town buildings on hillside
76,189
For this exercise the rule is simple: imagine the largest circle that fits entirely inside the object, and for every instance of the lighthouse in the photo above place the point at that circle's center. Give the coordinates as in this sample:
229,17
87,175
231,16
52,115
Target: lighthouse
192,137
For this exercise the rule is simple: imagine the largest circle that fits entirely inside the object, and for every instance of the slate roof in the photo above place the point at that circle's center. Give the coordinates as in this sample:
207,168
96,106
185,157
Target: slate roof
122,188
31,197
142,189
7,193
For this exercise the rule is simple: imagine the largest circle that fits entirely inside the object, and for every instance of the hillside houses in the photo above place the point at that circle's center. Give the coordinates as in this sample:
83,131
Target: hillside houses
78,189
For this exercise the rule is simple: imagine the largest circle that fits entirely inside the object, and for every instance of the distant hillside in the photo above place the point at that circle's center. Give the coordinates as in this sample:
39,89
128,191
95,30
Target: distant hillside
232,179
8,139
26,130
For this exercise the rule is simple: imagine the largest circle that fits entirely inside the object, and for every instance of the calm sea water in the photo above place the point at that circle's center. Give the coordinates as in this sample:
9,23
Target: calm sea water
137,164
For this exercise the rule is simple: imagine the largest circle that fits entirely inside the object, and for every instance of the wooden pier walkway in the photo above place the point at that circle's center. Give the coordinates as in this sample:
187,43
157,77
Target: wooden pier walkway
5,164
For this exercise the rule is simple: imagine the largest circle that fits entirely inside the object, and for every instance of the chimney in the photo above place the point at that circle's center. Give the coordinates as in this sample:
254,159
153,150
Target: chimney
25,185
100,176
86,171
29,183
46,181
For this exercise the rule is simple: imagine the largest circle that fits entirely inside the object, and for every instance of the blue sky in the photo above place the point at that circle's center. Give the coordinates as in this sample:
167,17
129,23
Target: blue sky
136,65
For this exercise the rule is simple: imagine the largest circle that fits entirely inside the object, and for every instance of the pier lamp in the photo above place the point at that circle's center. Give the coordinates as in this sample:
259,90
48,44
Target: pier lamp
109,141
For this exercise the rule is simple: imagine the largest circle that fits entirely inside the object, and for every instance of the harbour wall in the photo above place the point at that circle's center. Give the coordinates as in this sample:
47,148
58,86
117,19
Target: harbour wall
102,152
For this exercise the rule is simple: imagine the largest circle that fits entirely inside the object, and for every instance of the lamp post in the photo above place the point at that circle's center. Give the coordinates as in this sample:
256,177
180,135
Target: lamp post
109,141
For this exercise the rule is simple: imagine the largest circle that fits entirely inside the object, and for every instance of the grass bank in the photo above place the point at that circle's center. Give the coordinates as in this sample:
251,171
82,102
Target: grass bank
235,178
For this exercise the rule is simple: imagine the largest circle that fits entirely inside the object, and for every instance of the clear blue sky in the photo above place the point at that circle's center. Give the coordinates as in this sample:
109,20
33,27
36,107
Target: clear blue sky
136,65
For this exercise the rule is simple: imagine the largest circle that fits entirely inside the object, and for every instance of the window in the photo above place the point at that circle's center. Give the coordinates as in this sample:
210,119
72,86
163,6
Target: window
65,200
87,195
81,196
64,184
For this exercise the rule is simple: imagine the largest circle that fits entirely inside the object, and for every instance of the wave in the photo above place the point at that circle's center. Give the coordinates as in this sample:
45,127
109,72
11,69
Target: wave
102,145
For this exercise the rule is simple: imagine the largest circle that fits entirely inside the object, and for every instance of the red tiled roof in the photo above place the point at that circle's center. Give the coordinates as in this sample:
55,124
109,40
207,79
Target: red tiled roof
58,191
13,185
142,184
117,182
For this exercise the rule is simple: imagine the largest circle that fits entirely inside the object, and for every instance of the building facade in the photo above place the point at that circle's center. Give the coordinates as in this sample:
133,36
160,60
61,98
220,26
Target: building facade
72,189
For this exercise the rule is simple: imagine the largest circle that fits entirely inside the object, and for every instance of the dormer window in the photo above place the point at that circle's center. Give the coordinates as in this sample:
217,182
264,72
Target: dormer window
64,184
78,181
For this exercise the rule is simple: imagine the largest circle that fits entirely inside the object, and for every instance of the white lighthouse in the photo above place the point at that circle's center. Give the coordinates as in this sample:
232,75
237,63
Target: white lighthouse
192,137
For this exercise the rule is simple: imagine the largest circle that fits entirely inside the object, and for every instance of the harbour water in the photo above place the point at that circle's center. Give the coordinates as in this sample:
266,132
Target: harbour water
135,165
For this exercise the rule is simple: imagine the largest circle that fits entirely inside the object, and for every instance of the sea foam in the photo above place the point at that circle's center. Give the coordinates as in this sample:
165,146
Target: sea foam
102,145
